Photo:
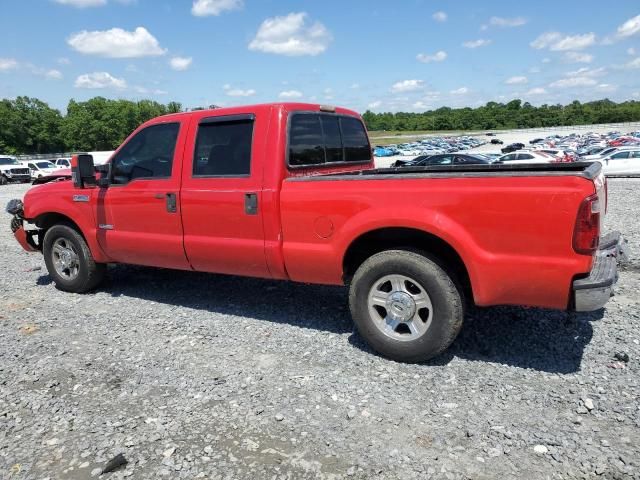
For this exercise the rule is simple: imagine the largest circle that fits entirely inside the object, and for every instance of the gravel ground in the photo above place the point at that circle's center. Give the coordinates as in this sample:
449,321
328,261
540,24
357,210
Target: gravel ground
203,376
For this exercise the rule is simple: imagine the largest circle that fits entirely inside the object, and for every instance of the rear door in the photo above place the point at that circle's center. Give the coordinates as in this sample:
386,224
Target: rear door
138,215
222,194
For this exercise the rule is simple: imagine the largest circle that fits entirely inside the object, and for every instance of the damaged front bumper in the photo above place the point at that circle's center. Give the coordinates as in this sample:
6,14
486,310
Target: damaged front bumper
26,238
593,292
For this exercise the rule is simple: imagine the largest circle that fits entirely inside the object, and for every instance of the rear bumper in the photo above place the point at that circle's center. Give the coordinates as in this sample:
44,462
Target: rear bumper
593,292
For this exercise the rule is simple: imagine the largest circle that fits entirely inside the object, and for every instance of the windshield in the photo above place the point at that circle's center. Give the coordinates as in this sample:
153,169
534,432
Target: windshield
45,165
8,161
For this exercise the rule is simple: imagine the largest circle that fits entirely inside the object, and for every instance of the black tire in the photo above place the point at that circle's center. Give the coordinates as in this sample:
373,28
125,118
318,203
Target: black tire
3,180
90,273
446,300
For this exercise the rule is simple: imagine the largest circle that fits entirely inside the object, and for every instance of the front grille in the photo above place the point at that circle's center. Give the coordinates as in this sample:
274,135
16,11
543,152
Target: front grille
20,171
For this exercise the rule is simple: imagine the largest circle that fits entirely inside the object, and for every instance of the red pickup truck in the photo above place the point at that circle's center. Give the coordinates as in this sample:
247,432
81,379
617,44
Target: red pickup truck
289,191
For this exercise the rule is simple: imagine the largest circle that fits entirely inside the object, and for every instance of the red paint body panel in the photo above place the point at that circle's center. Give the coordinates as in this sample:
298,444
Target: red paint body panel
513,233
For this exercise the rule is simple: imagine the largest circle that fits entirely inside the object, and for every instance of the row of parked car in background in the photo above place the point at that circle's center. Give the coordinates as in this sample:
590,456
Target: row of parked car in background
12,170
618,153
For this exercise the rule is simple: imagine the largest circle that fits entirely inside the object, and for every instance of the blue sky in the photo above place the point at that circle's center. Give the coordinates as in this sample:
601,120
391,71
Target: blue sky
407,55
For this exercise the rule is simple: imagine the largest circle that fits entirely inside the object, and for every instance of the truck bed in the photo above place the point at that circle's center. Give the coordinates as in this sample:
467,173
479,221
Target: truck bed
588,170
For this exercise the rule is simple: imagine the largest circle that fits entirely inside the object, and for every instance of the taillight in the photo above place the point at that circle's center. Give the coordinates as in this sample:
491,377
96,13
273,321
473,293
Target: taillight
586,234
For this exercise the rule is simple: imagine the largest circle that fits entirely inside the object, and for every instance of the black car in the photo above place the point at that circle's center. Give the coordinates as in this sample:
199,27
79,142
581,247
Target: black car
444,159
496,141
512,147
536,140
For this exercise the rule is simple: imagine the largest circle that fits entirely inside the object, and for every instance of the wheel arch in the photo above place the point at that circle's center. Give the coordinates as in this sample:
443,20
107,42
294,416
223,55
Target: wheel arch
44,221
407,238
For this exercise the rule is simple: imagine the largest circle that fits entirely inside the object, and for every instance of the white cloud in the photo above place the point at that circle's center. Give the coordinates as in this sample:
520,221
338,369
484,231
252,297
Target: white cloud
556,41
7,64
630,27
53,74
635,63
606,87
146,91
459,91
291,35
517,81
290,94
407,86
355,86
578,57
238,92
537,91
439,16
116,43
100,80
436,57
481,42
587,72
203,8
180,63
375,104
507,22
631,51
573,82
420,105
82,3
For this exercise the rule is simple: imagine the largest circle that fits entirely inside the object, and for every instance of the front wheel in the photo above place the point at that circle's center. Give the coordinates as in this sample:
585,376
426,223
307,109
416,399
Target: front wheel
3,180
69,260
405,305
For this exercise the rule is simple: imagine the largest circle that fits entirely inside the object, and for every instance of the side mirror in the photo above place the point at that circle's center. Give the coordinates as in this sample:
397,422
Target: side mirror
83,172
103,170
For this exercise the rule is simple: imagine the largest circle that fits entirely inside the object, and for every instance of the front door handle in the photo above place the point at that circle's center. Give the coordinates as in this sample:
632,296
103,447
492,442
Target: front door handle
172,203
251,203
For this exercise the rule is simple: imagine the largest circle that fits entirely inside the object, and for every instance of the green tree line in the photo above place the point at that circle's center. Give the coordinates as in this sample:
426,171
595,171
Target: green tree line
514,114
29,125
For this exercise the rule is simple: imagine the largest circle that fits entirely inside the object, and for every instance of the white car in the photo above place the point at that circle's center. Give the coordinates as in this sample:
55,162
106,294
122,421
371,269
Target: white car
607,151
12,171
63,162
623,162
526,157
40,168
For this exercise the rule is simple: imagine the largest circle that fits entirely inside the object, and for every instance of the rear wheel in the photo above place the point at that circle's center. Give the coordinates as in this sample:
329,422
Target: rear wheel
69,260
405,305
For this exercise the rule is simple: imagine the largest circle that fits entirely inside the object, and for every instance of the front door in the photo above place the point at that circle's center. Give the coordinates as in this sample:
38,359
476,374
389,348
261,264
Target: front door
222,195
138,215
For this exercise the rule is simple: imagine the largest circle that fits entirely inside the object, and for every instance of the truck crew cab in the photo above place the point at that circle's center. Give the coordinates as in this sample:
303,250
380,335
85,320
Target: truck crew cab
289,191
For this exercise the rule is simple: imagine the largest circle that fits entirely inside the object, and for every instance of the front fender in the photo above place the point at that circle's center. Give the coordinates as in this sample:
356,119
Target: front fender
62,202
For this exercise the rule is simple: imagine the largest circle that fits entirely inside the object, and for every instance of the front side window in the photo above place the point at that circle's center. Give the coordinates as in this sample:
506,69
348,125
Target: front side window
318,138
441,160
223,148
148,155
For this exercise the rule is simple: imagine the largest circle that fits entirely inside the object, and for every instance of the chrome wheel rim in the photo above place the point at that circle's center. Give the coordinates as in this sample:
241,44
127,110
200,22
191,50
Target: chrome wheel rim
400,307
65,259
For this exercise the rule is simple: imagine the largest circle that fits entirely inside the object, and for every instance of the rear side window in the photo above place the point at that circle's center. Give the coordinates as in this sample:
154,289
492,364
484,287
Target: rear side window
223,148
318,139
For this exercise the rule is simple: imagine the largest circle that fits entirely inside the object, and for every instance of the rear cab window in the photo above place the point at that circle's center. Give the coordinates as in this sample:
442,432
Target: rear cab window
316,139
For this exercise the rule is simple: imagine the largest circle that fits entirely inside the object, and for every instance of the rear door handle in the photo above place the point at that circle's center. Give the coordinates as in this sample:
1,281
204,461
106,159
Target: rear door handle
251,203
172,203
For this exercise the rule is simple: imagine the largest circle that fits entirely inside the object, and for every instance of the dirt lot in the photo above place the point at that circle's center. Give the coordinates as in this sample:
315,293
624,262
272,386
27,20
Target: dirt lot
203,376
